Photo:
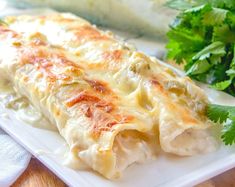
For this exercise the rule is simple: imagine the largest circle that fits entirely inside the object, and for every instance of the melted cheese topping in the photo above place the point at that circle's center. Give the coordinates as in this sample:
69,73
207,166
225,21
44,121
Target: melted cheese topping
100,94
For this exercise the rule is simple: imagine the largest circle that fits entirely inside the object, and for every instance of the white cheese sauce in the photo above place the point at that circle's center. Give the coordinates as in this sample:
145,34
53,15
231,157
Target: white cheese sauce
74,162
21,106
31,116
67,157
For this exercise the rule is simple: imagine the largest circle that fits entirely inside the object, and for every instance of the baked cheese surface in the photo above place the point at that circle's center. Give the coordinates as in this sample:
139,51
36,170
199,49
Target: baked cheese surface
113,105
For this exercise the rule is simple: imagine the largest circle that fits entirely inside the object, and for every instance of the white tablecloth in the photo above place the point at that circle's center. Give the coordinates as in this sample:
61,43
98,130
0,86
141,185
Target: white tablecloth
13,160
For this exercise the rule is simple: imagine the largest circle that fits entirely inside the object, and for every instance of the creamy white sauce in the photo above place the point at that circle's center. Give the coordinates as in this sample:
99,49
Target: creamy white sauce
69,158
66,156
21,106
31,116
74,162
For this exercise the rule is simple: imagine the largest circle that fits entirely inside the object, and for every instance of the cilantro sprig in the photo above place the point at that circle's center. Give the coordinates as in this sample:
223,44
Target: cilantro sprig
226,116
202,37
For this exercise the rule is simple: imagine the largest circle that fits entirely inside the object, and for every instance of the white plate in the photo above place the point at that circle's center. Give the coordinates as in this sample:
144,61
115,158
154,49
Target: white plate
167,170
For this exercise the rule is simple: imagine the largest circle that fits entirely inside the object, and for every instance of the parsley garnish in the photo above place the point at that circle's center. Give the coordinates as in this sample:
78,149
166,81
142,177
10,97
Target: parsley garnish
203,38
226,116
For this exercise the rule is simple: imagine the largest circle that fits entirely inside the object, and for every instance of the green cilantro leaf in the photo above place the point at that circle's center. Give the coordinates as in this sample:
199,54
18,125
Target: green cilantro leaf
181,42
215,17
231,72
201,66
221,85
224,34
225,115
229,4
228,132
218,113
216,48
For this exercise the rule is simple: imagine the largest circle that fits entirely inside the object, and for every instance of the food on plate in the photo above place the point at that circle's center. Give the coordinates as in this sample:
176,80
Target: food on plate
114,106
145,17
202,38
